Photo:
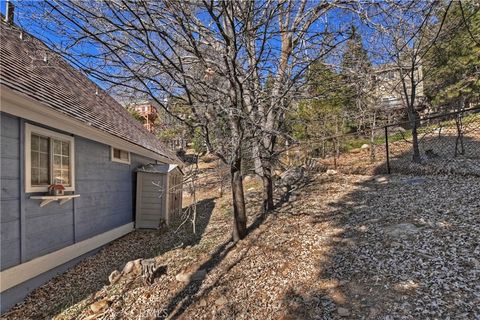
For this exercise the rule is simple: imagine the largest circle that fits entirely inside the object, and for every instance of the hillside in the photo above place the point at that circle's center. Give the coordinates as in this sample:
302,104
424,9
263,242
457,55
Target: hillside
345,246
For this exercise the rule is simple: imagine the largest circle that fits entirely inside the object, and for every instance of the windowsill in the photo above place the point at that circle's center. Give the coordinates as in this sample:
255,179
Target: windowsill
121,161
45,189
47,199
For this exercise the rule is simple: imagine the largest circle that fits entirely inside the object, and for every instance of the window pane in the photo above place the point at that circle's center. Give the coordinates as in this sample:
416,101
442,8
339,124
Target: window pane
61,169
65,162
39,154
124,155
35,142
61,151
65,177
57,176
116,153
35,176
43,161
57,147
65,148
43,177
57,162
35,159
43,144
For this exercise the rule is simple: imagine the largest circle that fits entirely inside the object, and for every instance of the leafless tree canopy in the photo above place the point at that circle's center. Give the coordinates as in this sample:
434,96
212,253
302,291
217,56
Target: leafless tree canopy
234,66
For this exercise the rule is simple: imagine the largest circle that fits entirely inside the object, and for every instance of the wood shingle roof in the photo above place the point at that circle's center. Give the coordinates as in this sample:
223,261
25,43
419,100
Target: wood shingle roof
30,68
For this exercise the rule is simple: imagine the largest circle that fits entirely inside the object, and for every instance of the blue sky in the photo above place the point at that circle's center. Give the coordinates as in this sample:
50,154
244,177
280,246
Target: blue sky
31,27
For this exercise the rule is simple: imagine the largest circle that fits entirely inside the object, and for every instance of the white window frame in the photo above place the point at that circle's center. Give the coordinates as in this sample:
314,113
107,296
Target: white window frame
29,129
117,159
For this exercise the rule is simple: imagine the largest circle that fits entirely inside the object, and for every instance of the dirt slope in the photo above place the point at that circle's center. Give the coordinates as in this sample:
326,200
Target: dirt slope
345,246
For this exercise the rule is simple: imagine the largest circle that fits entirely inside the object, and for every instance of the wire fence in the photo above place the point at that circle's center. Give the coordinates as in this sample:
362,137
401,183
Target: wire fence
447,143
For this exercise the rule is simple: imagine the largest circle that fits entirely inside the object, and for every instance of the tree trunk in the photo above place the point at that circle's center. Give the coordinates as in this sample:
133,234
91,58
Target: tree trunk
337,134
264,170
459,139
416,149
238,201
267,191
372,138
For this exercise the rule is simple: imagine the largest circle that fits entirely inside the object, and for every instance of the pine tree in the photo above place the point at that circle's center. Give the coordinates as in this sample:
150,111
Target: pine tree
356,62
357,75
454,61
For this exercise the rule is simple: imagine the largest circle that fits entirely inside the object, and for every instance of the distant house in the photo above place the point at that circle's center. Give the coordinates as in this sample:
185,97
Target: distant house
158,121
149,114
389,89
58,127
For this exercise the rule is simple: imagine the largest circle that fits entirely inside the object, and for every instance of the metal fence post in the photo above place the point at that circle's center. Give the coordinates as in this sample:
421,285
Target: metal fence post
386,149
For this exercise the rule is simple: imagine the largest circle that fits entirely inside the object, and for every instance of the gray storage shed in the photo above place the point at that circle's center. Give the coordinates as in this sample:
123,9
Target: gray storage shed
159,195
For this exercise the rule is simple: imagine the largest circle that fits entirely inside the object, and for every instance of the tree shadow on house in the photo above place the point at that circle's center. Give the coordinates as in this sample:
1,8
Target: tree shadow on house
396,253
91,274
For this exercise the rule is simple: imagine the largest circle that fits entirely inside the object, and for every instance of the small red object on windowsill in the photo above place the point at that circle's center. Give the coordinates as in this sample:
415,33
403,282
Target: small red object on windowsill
56,189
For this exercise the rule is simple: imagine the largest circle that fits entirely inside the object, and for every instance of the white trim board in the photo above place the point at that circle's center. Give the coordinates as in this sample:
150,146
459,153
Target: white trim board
24,107
16,275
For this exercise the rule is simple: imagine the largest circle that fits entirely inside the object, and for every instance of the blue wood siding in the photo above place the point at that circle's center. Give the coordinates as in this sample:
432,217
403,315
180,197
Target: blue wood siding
106,199
104,189
10,193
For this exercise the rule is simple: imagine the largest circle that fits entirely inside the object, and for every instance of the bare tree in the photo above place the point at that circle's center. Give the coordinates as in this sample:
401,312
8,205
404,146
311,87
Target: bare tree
212,56
408,32
305,36
188,51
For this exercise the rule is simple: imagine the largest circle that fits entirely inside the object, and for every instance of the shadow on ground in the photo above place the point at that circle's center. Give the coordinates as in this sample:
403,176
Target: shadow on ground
371,268
405,246
187,296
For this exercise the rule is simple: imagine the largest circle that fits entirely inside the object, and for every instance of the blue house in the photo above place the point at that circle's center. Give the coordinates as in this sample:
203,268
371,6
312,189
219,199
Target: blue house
58,127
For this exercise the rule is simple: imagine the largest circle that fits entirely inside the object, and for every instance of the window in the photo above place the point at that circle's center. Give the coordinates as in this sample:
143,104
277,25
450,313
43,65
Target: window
48,159
119,155
390,75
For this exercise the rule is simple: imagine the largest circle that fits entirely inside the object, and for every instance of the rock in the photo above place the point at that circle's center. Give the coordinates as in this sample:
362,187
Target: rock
373,312
292,176
248,178
114,276
184,276
381,179
402,230
362,228
343,312
133,266
202,303
356,150
191,276
365,146
99,306
331,172
199,275
475,262
221,301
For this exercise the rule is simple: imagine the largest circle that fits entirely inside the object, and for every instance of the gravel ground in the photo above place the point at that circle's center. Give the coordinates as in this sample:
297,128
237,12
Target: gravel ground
343,247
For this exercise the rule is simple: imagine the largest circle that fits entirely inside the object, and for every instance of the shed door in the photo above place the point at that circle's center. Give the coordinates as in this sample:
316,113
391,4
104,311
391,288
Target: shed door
151,200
